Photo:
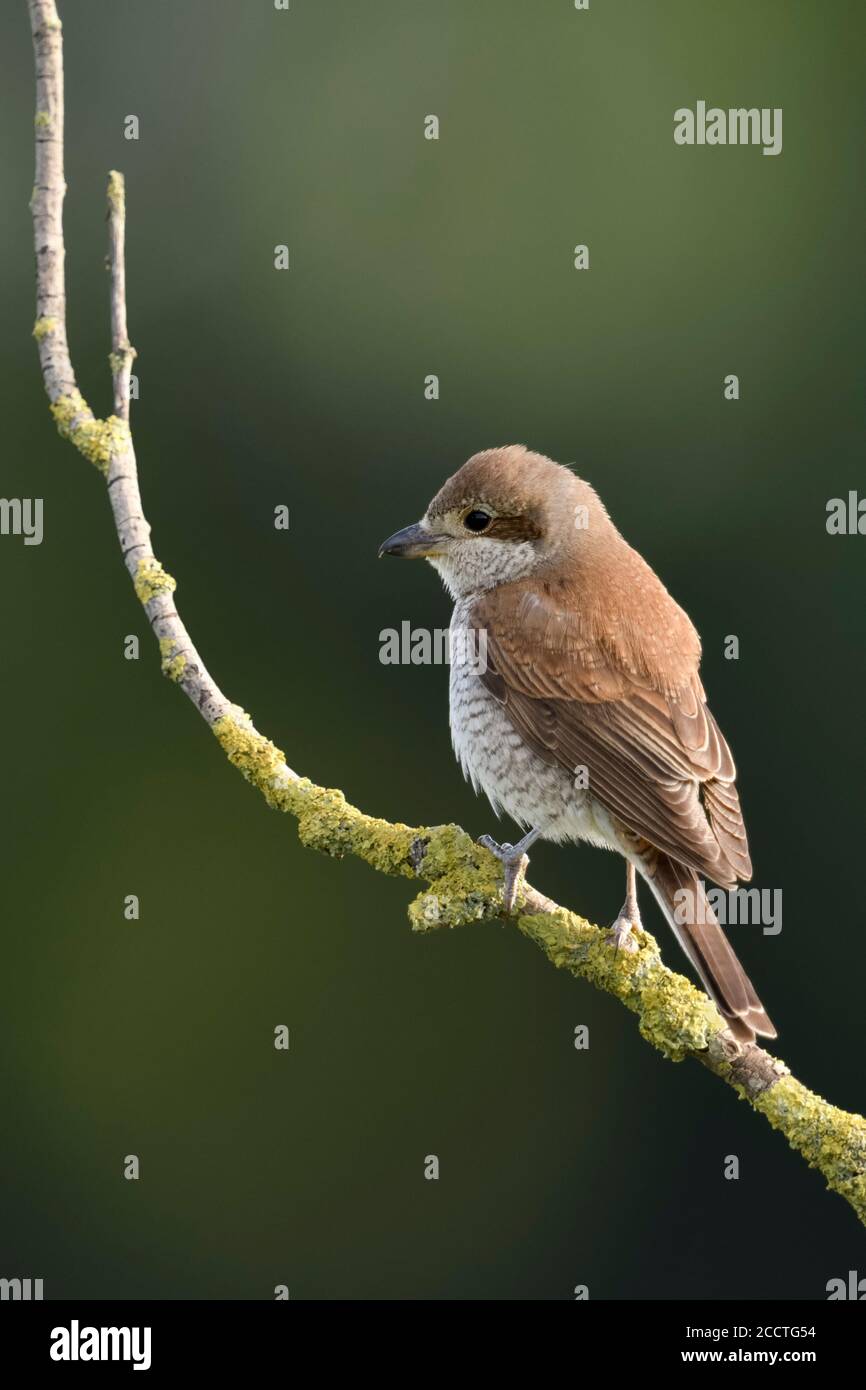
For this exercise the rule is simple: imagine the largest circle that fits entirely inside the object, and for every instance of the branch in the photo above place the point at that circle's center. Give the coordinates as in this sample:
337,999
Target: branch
464,879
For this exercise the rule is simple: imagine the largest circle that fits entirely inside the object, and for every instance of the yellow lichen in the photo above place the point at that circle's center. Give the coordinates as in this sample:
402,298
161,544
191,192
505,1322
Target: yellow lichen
673,1016
173,662
249,751
828,1138
151,579
42,119
115,190
326,821
98,440
43,326
117,361
465,879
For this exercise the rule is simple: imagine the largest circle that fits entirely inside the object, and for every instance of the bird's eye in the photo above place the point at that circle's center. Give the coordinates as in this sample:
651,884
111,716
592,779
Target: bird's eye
476,521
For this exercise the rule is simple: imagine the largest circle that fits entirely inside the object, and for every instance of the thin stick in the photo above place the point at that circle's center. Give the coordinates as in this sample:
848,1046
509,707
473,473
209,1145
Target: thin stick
122,351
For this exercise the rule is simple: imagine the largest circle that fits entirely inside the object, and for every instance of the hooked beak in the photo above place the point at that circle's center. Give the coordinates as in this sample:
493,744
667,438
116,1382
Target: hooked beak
412,543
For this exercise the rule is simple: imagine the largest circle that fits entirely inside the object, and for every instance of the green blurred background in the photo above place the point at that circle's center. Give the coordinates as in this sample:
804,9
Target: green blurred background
412,257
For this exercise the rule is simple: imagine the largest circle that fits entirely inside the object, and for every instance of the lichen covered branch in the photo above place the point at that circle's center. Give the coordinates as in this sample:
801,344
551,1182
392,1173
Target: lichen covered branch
462,878
464,881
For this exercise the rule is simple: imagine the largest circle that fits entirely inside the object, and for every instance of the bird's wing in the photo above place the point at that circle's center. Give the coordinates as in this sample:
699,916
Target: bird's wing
589,693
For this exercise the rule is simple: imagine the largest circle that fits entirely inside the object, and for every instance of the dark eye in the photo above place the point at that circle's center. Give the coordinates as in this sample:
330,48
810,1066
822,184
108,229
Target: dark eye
476,521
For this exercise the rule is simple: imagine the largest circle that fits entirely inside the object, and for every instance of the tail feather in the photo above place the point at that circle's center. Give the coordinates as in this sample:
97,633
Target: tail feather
684,902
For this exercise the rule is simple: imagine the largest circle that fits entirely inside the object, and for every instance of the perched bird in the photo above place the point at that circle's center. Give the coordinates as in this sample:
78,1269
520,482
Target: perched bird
577,706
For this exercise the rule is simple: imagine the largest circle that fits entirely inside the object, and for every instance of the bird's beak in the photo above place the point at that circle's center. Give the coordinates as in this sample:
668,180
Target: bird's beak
412,543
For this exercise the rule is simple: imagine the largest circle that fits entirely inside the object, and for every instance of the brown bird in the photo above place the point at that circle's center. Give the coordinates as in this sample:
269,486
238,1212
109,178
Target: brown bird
576,703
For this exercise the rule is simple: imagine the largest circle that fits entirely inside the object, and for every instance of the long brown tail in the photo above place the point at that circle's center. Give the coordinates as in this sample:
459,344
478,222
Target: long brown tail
684,902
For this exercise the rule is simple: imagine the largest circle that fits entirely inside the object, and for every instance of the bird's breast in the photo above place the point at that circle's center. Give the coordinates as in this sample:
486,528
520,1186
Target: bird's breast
497,760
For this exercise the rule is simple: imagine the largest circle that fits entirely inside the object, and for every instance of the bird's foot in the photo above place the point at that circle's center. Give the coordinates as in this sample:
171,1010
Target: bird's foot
514,861
621,935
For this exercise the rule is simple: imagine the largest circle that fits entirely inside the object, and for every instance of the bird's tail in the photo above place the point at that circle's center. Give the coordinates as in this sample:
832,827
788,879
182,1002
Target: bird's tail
684,902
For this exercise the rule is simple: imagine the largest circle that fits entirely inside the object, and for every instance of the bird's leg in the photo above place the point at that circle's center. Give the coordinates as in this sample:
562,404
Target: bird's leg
514,860
620,935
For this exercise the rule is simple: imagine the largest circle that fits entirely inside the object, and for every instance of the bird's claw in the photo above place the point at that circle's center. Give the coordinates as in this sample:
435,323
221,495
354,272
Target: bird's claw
514,864
621,934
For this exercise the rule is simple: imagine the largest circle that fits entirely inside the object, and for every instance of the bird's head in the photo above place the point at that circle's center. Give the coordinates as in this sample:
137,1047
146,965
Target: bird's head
504,515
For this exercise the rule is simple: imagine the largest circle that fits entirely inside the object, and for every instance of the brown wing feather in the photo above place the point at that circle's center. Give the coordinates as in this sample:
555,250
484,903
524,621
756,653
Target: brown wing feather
587,691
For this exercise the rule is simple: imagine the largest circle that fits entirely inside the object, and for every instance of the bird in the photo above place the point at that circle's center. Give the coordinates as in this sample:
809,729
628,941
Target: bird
576,704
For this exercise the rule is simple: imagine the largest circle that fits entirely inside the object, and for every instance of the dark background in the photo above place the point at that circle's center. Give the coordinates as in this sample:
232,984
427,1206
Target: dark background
306,388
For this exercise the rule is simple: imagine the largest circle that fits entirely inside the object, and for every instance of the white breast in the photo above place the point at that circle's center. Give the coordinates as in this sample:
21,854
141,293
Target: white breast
534,793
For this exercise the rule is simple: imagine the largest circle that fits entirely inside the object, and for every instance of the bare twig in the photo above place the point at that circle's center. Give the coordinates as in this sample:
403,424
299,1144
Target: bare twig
463,878
122,351
105,443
